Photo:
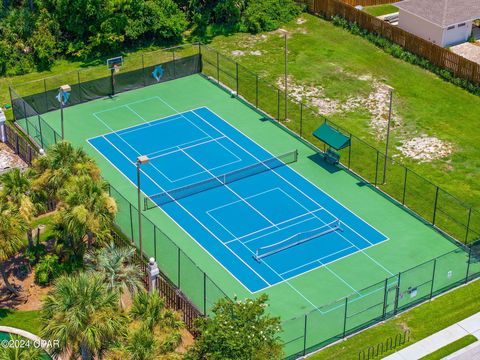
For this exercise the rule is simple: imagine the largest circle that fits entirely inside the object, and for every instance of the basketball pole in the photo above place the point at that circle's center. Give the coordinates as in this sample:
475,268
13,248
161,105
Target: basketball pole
61,112
112,80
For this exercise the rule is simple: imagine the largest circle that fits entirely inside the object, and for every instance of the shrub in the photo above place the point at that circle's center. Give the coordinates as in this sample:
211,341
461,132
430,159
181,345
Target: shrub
268,15
47,269
400,53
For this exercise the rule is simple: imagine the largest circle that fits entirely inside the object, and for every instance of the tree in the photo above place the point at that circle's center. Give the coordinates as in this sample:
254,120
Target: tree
268,15
153,331
17,189
83,315
86,210
12,230
238,330
121,275
62,161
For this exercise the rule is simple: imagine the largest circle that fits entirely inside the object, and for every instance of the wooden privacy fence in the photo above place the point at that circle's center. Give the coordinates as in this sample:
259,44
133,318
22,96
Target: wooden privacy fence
458,65
369,2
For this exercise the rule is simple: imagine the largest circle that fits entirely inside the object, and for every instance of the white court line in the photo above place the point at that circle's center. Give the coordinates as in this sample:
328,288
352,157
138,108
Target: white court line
141,127
295,171
184,209
289,284
178,149
232,191
186,232
338,277
317,260
150,155
295,187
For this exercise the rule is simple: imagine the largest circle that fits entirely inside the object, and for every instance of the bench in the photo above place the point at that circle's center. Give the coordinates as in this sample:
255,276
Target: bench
331,156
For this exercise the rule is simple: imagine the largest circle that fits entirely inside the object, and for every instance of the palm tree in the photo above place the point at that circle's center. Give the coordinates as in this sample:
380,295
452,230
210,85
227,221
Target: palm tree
120,273
12,230
17,189
150,310
83,315
61,162
86,209
20,352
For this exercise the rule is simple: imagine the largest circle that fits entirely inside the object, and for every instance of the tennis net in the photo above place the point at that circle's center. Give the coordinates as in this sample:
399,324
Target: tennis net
296,239
217,181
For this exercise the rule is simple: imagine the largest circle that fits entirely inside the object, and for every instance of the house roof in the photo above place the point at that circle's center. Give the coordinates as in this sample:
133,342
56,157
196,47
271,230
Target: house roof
443,12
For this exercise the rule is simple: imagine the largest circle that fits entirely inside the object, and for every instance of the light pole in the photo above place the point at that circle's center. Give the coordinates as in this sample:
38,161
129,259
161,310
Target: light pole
63,98
390,90
285,36
141,160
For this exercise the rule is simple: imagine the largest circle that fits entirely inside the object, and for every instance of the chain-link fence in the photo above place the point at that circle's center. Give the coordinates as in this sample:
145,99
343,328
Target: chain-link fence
183,279
419,195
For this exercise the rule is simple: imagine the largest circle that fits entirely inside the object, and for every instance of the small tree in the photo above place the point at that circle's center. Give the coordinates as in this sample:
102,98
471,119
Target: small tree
120,273
238,330
83,315
12,232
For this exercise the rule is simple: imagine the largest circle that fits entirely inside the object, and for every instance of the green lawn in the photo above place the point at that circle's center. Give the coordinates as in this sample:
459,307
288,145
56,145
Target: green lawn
422,321
379,10
451,348
25,320
341,66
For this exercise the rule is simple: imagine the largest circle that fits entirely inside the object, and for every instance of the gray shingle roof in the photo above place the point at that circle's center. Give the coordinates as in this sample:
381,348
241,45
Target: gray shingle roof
443,12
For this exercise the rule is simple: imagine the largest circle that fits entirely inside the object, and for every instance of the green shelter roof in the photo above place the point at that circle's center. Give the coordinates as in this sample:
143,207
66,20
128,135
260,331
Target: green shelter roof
332,137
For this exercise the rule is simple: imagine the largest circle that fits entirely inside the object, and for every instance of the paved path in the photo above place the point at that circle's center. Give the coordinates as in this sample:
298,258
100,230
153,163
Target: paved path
442,338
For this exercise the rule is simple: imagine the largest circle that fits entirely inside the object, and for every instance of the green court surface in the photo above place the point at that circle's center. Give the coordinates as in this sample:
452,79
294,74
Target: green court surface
369,278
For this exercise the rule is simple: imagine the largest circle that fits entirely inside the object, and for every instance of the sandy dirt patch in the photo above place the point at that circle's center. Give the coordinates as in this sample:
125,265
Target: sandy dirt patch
425,148
8,159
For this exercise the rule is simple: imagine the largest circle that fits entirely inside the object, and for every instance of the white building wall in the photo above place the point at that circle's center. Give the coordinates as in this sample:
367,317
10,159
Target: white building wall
420,27
457,34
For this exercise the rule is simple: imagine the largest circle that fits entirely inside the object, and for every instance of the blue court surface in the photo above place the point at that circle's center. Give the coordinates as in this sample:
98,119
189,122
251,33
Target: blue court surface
260,219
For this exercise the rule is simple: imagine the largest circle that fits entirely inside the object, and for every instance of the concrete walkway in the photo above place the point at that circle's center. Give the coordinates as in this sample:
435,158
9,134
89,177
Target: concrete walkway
442,338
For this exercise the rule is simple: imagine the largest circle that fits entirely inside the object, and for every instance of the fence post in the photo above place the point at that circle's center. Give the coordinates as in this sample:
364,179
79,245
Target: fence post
301,119
256,91
143,70
376,169
385,296
131,225
45,93
468,264
178,267
204,294
25,110
218,68
41,133
80,92
433,277
278,105
305,336
404,186
11,102
174,64
397,293
350,152
435,206
155,242
236,77
345,318
468,225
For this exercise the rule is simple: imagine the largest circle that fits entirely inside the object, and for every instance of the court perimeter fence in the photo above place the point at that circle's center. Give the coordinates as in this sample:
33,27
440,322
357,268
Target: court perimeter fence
327,323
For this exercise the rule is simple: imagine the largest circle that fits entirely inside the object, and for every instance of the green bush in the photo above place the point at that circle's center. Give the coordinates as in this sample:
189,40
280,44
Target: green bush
400,53
268,15
34,253
47,269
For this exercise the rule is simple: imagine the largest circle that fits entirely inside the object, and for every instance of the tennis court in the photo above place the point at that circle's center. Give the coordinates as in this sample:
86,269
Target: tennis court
235,204
257,217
